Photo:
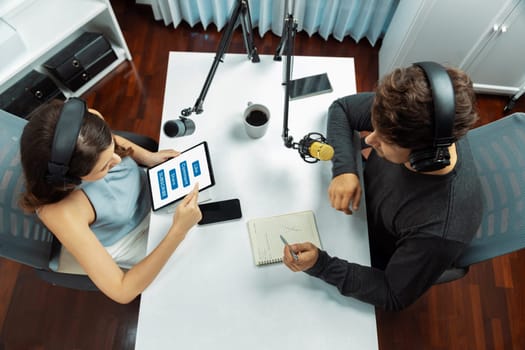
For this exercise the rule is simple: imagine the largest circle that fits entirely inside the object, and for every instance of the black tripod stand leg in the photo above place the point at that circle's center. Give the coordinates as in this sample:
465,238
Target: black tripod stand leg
282,43
247,32
279,51
289,30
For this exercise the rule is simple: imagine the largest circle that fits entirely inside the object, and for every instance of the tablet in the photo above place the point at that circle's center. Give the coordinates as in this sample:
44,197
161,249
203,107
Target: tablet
173,179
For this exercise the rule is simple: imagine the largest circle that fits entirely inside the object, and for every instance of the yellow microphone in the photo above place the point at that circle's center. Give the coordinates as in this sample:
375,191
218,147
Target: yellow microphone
313,148
321,151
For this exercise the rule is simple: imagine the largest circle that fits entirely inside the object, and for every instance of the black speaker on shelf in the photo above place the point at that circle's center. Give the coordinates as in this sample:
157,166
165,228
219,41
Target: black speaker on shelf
80,61
28,93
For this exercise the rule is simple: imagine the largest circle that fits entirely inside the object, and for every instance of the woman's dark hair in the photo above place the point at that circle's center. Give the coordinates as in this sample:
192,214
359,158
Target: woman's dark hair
35,146
402,111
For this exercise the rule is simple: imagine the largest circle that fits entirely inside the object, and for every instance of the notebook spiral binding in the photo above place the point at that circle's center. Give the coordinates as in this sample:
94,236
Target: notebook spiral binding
270,261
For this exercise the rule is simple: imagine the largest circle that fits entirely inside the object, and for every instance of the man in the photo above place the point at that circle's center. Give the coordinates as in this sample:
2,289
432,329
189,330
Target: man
420,218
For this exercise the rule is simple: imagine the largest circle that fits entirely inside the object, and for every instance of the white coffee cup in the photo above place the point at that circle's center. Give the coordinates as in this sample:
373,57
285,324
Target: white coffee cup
256,118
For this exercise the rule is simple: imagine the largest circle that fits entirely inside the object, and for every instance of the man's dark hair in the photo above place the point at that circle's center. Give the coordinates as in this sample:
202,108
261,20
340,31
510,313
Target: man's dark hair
402,111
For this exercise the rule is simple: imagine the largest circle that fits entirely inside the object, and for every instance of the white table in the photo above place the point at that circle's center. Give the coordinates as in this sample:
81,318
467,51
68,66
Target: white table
210,294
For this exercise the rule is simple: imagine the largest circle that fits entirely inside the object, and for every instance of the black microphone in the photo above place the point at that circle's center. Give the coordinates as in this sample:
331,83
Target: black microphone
313,148
179,127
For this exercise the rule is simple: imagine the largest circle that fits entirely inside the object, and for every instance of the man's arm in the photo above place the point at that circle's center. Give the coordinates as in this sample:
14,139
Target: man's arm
346,115
413,268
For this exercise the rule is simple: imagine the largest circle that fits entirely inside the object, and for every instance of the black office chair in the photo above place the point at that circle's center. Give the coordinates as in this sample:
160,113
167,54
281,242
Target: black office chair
498,149
23,238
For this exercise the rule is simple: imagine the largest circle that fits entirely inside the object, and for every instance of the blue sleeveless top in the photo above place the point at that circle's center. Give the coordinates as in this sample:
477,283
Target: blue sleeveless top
120,200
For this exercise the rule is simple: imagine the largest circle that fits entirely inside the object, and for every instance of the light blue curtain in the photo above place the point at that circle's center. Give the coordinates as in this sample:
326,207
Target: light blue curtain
357,18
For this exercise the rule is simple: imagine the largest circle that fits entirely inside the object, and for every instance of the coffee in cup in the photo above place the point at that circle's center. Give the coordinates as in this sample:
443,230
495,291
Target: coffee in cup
256,119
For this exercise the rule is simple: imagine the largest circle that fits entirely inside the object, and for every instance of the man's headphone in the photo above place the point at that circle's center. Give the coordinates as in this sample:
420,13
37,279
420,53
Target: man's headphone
64,142
444,101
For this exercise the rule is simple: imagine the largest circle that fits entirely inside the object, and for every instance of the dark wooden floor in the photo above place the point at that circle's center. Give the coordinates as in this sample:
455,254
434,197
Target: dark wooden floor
484,310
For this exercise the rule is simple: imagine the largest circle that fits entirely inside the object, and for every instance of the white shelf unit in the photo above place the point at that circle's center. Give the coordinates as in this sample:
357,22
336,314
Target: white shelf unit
47,26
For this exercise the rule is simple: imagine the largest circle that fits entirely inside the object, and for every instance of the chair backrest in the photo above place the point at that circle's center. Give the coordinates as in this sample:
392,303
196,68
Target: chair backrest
22,237
498,149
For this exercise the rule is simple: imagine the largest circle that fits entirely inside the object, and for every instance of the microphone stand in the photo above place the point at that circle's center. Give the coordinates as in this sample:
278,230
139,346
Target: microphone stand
241,13
287,45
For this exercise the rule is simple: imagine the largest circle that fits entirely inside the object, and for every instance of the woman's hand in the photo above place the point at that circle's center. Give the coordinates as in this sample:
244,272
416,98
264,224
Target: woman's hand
187,213
344,190
158,157
144,157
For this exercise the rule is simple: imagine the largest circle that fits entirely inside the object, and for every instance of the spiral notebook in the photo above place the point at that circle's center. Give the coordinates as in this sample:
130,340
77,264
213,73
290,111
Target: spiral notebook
267,247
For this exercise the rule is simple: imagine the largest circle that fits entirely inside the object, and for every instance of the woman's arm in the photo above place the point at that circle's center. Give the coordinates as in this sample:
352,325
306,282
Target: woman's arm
143,156
69,221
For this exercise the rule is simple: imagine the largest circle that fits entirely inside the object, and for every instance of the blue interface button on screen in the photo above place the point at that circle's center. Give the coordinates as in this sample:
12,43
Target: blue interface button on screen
196,168
173,179
162,184
184,174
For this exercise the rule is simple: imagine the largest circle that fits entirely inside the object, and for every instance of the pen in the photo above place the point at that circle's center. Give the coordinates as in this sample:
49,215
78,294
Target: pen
295,257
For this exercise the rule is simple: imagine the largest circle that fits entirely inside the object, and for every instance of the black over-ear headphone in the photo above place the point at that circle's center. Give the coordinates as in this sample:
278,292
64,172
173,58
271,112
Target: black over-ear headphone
443,97
64,142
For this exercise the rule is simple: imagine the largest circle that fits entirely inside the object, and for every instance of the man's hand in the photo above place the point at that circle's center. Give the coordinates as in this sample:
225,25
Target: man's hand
345,190
307,253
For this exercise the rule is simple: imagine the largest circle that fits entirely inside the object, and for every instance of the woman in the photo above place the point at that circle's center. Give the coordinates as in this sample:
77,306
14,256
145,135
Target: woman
99,209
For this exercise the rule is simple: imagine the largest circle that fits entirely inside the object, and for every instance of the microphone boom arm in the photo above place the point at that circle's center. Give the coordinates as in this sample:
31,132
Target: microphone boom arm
240,12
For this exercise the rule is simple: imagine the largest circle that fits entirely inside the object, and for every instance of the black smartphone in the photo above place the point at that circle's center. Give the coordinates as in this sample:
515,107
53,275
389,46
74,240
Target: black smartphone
309,86
220,211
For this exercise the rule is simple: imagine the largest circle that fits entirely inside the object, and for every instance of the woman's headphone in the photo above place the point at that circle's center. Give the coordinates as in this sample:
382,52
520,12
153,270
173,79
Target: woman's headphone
64,142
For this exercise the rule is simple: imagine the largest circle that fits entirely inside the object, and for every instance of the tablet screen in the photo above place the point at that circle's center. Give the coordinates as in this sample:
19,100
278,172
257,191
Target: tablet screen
175,178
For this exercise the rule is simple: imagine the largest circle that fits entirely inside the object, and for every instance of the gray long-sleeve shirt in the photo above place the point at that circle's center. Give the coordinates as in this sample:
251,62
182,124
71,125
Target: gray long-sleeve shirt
418,224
